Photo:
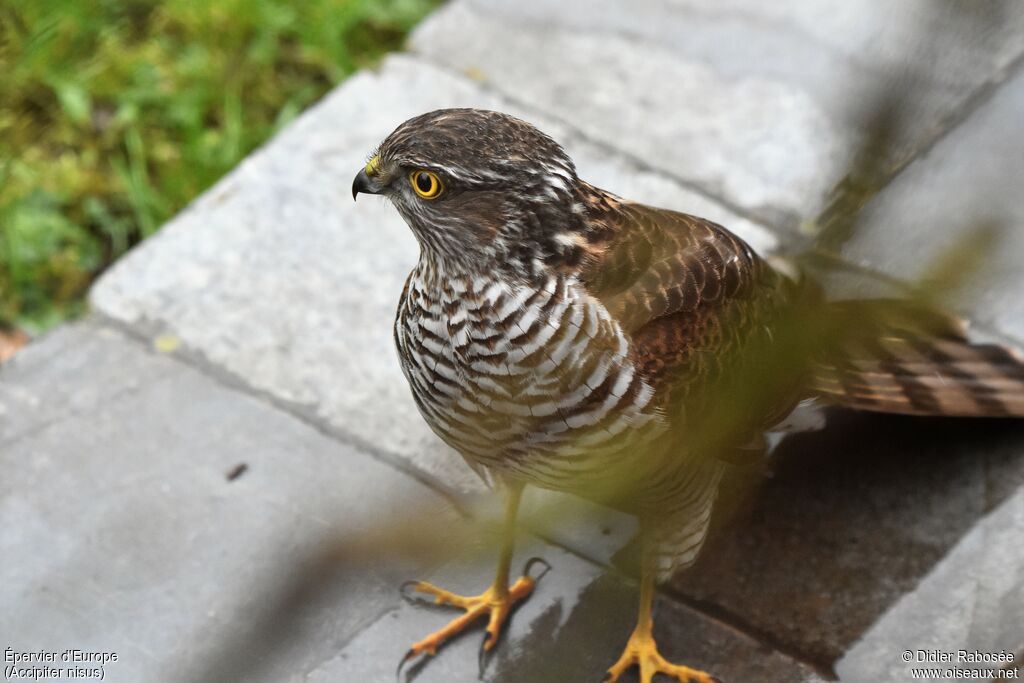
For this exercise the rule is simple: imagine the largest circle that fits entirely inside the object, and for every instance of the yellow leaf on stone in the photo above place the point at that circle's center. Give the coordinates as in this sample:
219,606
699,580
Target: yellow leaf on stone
167,343
475,73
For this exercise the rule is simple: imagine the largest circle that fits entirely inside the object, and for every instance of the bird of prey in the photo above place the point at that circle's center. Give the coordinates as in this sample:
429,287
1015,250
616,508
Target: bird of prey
557,335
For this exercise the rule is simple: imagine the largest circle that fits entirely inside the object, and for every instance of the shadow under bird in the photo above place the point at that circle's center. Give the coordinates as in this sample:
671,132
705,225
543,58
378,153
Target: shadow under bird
559,336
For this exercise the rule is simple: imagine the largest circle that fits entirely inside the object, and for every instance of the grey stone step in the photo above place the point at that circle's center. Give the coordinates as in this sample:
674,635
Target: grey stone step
32,403
972,178
757,103
122,531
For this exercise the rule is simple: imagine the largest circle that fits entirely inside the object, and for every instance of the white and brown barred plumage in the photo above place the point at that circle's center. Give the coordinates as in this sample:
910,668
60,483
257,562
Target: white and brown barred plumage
557,335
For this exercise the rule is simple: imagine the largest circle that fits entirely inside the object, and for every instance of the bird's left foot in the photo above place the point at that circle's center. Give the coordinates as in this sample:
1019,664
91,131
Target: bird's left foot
642,651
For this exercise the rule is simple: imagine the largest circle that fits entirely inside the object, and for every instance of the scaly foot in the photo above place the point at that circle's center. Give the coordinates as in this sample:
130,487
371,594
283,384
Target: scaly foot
497,601
642,651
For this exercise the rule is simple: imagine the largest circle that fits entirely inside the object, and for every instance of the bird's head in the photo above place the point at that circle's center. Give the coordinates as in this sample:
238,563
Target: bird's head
480,189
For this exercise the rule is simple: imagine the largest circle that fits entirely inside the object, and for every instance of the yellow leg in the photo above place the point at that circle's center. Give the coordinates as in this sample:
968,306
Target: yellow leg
642,651
496,601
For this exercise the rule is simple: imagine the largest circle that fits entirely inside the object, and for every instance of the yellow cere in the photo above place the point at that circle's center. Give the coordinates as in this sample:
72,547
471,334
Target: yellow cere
372,164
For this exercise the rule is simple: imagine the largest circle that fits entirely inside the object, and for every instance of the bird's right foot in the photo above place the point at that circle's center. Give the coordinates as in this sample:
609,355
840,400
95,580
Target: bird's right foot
496,602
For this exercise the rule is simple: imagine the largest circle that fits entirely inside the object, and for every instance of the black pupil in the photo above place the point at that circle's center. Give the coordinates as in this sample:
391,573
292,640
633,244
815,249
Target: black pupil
424,182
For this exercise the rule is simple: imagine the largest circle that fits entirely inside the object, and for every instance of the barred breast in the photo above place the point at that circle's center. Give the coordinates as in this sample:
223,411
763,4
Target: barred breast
535,381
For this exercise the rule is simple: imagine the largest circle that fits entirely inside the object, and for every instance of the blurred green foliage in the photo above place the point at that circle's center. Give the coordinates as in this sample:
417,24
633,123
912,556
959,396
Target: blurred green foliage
115,113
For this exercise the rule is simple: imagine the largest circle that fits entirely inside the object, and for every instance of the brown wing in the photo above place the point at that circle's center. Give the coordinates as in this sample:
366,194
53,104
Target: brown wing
701,308
662,262
731,346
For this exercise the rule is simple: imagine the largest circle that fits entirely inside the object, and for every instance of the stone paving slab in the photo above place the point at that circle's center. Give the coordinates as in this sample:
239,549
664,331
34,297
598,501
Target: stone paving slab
30,403
227,274
156,554
123,533
852,519
584,623
973,600
757,103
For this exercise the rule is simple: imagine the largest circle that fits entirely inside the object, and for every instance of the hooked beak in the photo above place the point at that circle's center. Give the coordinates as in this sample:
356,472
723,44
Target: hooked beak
365,184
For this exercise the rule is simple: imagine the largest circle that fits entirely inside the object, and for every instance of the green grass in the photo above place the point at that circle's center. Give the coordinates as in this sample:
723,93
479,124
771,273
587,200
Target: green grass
115,114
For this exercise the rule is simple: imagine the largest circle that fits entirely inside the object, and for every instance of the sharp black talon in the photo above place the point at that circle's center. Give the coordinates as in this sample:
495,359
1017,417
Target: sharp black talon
536,560
482,657
408,655
411,599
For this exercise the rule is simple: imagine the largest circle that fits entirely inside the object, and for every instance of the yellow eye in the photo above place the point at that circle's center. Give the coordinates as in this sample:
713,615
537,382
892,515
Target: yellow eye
426,184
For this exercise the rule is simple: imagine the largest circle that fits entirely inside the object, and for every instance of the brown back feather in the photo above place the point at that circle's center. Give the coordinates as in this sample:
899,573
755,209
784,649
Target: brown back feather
700,307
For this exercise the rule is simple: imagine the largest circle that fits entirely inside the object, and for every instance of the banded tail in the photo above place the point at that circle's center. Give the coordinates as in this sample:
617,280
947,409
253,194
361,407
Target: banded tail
908,360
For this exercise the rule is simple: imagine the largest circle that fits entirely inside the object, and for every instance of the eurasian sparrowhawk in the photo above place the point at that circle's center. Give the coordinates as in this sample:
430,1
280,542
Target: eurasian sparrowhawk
557,335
